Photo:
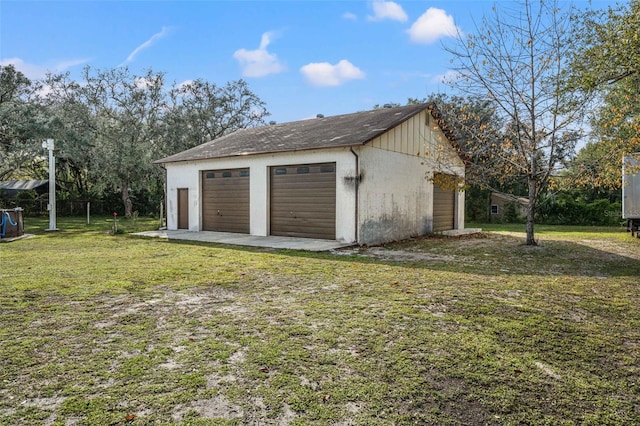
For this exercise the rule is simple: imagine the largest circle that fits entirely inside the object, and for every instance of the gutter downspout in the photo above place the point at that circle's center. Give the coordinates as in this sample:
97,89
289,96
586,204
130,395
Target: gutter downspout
164,221
357,184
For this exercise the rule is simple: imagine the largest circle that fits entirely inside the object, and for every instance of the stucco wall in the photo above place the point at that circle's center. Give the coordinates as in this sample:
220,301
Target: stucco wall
187,175
395,197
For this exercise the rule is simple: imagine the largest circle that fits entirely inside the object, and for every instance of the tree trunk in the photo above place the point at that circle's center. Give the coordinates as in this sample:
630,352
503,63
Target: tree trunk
126,200
531,210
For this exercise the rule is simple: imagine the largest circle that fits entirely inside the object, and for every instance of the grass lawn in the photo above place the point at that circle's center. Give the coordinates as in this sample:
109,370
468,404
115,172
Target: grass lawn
99,329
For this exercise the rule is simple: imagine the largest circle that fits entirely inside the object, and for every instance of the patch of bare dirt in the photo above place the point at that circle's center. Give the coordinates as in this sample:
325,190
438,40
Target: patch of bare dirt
217,407
618,248
397,255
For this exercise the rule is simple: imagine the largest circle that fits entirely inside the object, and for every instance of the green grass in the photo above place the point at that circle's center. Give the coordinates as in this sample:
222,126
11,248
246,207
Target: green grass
474,330
562,230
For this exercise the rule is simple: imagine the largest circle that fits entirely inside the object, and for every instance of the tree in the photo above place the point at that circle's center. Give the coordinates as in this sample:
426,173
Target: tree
606,65
138,121
73,127
515,62
128,112
606,47
476,126
111,125
200,111
22,124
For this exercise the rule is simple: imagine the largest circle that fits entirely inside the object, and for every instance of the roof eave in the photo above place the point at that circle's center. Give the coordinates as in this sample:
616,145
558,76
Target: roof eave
248,154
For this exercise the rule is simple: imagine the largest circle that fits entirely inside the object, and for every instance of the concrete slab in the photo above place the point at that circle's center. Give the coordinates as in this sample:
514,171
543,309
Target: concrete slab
290,243
21,237
458,232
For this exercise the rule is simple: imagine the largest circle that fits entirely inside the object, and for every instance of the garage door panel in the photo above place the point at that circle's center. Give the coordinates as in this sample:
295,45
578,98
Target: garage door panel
225,200
214,208
221,188
308,215
305,180
443,208
309,232
227,214
306,202
310,221
277,191
301,208
303,201
233,227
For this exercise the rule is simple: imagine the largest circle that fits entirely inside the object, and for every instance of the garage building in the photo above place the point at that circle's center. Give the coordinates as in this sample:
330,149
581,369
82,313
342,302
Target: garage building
365,178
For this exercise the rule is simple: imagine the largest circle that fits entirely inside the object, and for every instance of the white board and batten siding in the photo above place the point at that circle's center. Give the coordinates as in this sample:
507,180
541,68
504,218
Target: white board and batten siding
422,137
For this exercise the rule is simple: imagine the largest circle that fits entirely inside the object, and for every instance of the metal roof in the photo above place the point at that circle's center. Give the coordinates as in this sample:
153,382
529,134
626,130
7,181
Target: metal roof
316,133
509,197
22,185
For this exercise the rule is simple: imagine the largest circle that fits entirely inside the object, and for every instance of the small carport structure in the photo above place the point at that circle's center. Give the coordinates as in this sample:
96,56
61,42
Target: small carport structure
11,188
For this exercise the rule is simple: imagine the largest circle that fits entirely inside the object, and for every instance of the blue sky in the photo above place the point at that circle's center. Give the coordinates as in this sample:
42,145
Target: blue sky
301,57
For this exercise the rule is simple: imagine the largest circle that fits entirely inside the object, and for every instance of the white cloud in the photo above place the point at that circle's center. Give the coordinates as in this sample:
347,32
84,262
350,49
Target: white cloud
432,25
64,65
447,77
325,74
37,72
31,71
44,91
185,85
146,45
259,62
143,83
387,10
350,16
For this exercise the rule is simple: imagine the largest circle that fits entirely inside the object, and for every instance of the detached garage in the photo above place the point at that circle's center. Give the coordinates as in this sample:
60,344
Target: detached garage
365,178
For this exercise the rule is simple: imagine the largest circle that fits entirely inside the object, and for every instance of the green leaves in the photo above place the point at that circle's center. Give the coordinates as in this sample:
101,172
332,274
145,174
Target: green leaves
606,64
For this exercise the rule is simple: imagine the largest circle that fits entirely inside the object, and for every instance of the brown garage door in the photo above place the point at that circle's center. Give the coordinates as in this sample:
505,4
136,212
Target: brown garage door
443,208
225,200
303,201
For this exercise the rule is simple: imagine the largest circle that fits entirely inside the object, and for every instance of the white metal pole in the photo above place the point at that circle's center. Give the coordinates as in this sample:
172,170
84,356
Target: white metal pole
52,185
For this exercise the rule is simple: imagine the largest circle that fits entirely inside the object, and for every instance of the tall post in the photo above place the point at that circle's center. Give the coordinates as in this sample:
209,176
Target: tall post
48,144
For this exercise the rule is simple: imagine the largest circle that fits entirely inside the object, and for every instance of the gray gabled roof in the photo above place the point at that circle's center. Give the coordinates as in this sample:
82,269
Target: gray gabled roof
316,133
22,185
522,200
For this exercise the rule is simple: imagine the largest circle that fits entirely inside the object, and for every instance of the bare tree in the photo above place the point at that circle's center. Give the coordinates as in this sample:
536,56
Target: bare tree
516,60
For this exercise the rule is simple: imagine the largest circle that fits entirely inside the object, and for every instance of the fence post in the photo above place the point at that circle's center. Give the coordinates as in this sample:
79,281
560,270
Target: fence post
88,213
